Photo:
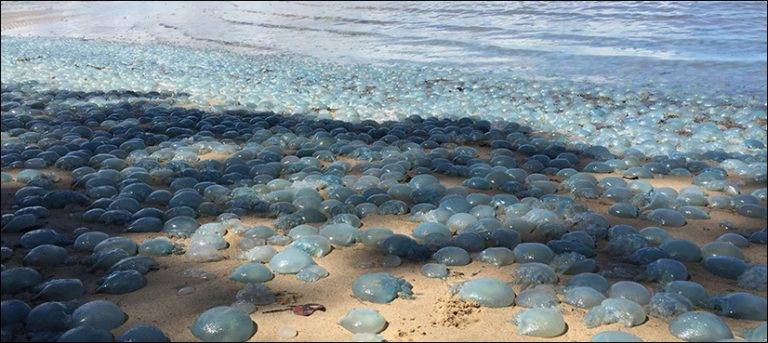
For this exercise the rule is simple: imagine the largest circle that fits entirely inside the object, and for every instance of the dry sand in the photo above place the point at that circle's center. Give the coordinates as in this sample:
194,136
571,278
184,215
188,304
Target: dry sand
431,316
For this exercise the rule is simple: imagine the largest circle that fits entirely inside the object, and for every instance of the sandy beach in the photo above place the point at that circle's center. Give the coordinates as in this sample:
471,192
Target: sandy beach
315,67
432,316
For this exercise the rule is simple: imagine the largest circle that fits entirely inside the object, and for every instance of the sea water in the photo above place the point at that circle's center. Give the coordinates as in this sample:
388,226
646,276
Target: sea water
657,77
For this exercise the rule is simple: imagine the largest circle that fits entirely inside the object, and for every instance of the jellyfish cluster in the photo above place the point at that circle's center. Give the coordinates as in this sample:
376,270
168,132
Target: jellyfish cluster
547,184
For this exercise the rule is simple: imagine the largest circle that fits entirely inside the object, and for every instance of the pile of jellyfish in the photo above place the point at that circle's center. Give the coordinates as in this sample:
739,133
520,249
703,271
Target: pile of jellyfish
149,179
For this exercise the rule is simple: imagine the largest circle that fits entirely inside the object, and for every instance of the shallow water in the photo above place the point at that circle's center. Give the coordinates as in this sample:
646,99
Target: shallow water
712,46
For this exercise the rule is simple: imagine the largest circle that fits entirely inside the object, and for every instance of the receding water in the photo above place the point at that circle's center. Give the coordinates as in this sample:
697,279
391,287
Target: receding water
703,47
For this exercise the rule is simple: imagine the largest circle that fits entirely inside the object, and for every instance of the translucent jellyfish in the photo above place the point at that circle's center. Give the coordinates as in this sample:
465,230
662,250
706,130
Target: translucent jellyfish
279,240
682,250
666,217
489,292
121,282
533,273
693,291
124,243
143,333
540,322
758,237
223,324
159,246
668,305
497,256
741,305
312,273
251,273
656,235
340,234
583,297
502,238
301,231
755,334
5,253
17,279
617,231
694,212
363,320
49,316
86,334
146,224
625,312
34,238
698,326
647,255
452,256
592,280
141,264
615,336
260,253
14,312
290,261
754,278
533,252
734,238
573,263
566,245
434,270
381,288
630,290
104,259
256,294
664,270
314,245
373,236
455,204
720,248
19,223
625,245
460,221
536,298
46,255
181,226
426,228
469,241
100,314
60,290
725,266
623,210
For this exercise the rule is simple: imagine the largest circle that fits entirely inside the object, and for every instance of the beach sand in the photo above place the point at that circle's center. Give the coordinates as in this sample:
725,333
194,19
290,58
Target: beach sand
432,316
